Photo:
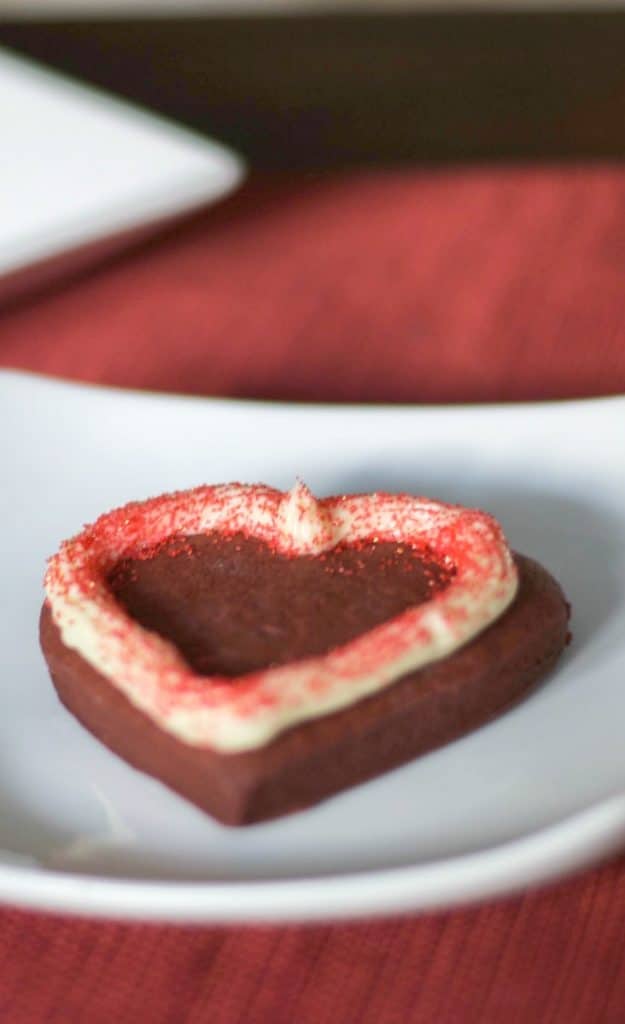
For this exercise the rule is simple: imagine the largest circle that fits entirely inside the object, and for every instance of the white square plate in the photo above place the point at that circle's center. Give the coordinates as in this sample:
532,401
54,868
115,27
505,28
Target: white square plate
535,793
78,165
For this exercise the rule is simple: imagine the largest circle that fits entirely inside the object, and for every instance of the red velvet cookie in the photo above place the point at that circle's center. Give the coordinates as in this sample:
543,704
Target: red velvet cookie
259,651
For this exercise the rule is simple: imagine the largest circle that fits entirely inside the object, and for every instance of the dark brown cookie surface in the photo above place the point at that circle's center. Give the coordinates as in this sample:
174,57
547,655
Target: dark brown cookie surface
325,755
233,605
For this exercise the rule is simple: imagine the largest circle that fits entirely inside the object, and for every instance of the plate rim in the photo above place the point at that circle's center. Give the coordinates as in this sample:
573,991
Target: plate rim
436,408
504,869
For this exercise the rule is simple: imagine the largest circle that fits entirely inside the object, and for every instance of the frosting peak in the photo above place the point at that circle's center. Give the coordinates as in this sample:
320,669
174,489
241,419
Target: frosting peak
303,523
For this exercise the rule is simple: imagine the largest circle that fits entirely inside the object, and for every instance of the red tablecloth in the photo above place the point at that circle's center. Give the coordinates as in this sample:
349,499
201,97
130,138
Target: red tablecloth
399,286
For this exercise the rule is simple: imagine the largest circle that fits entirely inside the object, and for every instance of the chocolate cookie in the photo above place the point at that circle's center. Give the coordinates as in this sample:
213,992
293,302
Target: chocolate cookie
238,610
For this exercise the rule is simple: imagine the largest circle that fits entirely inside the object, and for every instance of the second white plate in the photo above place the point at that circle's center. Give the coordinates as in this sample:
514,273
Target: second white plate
79,165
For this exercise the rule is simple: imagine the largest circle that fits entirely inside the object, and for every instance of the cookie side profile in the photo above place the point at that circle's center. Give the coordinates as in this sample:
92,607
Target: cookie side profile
315,758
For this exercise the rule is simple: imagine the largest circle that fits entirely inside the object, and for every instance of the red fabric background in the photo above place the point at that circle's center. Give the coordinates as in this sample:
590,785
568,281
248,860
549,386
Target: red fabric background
376,287
397,286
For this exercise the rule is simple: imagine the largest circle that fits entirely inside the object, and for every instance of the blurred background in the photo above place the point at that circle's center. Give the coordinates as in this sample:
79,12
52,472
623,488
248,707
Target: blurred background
433,179
313,83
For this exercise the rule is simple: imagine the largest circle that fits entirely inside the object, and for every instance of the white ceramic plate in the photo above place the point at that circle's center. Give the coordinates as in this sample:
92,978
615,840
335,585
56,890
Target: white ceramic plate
78,165
534,794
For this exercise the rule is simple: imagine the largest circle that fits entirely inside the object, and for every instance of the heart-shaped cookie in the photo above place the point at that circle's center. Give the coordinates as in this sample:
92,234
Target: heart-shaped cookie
258,650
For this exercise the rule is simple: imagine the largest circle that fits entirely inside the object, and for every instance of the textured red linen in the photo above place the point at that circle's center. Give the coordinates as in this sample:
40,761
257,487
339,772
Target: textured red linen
551,957
397,286
458,286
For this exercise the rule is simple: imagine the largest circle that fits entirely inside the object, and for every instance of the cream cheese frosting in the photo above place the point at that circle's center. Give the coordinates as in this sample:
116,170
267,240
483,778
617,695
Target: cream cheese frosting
210,711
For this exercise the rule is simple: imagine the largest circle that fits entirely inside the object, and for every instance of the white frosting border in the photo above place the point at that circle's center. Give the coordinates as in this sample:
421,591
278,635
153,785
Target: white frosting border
213,712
